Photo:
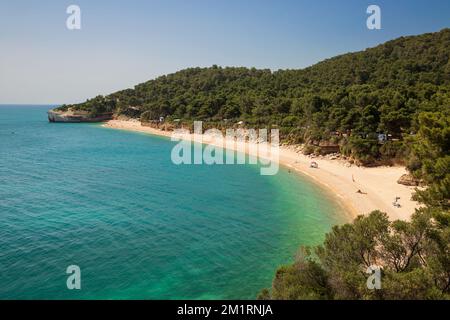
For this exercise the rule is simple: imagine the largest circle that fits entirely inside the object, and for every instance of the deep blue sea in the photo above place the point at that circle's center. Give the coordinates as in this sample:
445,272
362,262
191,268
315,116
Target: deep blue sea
138,226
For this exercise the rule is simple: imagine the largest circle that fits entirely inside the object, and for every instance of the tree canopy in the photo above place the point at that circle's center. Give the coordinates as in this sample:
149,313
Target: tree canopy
414,256
349,99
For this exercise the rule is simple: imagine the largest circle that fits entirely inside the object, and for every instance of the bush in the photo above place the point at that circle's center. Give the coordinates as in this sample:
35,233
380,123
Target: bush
413,257
308,149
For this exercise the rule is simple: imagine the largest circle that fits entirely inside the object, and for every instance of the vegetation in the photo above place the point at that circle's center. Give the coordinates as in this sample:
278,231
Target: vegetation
429,158
347,100
384,103
414,256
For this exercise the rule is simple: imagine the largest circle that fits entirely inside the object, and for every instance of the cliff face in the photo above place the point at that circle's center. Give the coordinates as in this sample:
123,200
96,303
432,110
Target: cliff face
75,117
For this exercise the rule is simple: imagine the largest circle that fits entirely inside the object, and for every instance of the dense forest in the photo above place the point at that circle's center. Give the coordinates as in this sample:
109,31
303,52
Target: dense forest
367,102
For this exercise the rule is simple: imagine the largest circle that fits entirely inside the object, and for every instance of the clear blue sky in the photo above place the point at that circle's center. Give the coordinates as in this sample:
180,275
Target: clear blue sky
123,43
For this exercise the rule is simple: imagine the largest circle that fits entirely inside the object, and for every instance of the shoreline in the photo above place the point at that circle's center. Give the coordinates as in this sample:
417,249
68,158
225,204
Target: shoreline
342,179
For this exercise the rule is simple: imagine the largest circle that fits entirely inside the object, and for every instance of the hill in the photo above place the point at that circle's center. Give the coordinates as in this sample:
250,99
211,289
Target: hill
368,102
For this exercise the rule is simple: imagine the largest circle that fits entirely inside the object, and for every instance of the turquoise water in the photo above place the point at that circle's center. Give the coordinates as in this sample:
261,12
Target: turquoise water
138,226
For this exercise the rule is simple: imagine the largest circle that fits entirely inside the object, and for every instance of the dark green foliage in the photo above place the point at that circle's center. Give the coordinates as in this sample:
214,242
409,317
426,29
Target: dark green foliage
379,90
366,150
414,257
430,158
94,107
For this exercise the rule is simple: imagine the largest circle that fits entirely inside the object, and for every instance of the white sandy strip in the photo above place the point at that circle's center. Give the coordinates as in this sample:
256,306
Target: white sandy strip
379,184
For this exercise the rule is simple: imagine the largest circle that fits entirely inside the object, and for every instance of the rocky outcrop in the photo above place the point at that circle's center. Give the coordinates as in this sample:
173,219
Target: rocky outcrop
408,180
71,116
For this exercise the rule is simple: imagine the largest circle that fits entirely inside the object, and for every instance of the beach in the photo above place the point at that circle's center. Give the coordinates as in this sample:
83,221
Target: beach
359,189
116,201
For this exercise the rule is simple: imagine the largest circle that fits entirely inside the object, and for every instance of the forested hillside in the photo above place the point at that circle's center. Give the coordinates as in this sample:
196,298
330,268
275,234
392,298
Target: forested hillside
413,257
355,100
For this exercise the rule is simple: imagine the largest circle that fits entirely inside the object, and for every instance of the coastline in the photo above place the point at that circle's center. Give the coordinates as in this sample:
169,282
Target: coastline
378,184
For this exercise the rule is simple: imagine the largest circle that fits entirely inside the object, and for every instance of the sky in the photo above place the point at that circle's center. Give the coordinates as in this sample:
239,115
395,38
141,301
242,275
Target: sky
122,43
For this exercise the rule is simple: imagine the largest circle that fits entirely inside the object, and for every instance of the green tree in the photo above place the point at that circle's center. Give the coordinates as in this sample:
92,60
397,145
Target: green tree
430,158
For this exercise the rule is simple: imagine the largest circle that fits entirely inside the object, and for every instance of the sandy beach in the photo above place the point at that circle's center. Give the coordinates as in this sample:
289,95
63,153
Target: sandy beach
378,185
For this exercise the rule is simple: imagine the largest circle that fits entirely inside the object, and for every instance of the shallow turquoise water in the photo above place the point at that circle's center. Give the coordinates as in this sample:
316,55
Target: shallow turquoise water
138,226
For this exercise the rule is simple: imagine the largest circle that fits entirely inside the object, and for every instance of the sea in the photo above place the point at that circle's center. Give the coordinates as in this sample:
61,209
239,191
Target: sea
137,226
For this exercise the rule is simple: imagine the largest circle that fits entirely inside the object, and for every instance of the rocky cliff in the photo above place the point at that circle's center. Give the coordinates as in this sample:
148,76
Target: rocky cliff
71,116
